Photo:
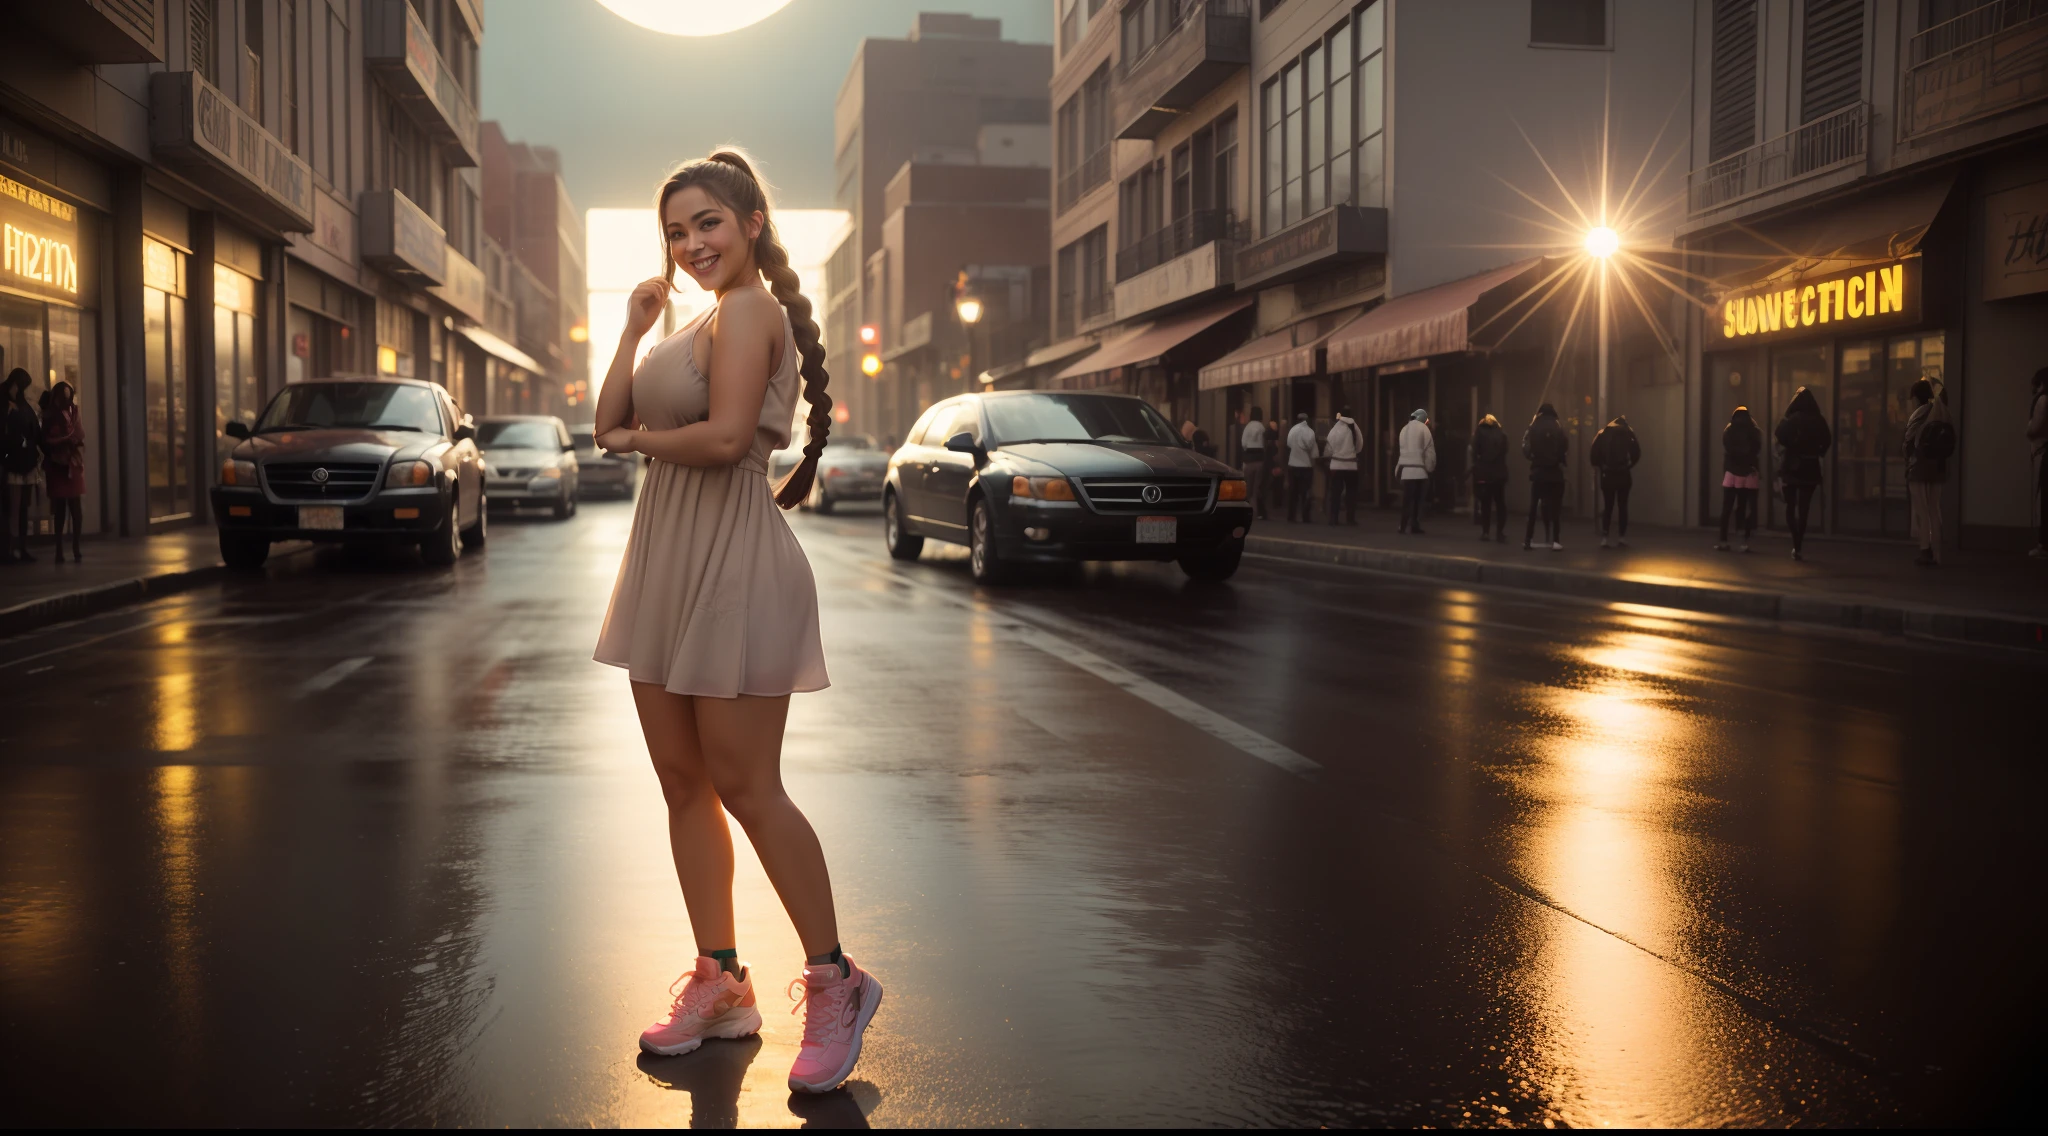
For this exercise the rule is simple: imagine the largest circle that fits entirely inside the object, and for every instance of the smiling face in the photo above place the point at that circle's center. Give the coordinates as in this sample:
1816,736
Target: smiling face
707,240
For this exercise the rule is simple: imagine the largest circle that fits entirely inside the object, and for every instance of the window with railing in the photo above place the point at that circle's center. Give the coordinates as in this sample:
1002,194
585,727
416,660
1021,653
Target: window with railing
1953,24
1322,124
1096,295
1195,186
1817,147
1084,139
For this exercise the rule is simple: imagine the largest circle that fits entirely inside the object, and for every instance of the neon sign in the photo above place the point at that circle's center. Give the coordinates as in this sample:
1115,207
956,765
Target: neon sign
28,253
1881,293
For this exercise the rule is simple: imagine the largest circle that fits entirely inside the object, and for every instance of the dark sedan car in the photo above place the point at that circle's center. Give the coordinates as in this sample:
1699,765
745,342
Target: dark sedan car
602,470
354,461
1046,476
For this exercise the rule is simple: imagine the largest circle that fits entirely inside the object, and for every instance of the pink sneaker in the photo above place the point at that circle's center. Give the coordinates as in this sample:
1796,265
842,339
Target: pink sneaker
836,1013
712,1004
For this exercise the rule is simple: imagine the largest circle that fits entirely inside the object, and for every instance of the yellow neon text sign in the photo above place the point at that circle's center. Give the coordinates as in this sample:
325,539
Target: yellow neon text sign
1879,292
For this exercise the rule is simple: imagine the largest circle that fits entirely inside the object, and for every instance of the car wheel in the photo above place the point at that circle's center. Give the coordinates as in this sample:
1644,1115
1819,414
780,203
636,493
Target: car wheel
443,546
1213,566
902,545
244,553
824,505
982,557
475,535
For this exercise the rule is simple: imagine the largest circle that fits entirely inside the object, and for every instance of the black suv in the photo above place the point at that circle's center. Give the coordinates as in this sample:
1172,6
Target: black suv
354,461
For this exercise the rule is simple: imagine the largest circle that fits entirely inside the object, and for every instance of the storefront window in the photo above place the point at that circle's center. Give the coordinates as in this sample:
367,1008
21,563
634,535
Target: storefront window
21,337
166,392
1863,442
237,377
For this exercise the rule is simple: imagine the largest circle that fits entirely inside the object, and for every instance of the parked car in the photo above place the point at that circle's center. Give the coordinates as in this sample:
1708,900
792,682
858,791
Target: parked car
850,469
530,461
601,470
1042,476
356,461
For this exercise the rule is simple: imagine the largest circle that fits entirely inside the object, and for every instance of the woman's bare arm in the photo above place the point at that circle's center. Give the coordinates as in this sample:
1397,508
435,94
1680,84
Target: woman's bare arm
744,331
615,398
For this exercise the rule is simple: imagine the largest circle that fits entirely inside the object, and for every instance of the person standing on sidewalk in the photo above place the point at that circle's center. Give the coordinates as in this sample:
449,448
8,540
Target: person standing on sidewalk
1742,447
64,466
21,461
715,612
1490,478
1929,442
1251,456
1803,439
1301,468
1414,461
2037,432
1547,447
1344,443
1615,454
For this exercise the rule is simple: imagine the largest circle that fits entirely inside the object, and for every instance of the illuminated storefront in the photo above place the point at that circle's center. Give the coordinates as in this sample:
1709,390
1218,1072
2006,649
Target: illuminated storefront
48,293
167,383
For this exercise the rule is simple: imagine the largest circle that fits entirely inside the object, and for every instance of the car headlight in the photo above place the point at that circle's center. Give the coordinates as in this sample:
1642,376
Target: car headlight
553,471
411,473
234,472
1042,488
1232,489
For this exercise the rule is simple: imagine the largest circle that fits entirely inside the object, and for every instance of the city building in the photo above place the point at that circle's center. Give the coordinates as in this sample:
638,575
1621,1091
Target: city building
528,215
910,113
204,200
1867,205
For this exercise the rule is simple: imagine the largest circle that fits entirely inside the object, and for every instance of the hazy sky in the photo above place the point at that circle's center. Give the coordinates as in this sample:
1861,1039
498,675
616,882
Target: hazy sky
624,104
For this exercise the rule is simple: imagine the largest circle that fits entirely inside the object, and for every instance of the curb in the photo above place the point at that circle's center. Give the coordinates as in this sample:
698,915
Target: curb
1719,599
104,597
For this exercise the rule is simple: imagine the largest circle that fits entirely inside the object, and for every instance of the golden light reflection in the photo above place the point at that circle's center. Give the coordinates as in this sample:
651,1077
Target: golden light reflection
176,725
177,807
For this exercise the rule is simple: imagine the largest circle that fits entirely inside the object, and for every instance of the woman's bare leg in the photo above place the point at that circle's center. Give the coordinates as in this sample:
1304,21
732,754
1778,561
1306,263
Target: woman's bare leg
740,740
697,836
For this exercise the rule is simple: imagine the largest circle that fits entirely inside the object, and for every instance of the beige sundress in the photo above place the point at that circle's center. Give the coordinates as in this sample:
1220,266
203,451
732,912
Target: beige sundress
714,595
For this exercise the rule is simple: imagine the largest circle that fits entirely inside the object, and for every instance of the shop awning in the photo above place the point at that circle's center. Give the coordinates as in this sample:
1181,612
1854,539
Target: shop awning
492,345
1143,345
1285,354
1434,321
1877,225
1037,367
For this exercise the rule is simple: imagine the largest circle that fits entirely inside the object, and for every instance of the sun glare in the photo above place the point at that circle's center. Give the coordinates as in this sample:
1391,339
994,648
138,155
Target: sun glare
694,17
1602,242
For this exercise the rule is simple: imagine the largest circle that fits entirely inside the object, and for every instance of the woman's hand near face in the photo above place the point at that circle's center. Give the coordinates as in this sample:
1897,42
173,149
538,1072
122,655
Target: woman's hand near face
643,307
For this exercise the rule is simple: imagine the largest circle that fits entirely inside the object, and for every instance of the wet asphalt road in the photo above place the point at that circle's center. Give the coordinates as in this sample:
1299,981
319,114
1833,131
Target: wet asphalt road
362,843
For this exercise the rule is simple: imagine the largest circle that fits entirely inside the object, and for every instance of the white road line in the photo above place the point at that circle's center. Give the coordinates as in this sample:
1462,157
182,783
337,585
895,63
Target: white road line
1067,651
332,675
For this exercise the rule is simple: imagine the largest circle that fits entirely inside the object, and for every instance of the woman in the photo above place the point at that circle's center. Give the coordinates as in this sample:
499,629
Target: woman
715,615
1741,445
64,465
1490,478
21,460
1803,439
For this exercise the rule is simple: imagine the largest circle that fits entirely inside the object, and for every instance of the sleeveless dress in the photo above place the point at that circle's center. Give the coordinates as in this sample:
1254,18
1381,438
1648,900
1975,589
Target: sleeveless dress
714,596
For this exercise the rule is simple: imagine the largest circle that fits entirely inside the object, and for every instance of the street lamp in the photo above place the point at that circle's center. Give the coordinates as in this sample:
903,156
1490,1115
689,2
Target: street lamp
969,310
1602,242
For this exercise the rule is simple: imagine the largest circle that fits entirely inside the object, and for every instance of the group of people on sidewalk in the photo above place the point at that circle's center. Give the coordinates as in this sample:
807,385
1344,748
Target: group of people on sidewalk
1802,439
41,447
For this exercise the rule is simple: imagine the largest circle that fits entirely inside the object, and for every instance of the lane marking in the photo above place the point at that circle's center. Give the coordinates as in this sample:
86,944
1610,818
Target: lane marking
1238,736
332,675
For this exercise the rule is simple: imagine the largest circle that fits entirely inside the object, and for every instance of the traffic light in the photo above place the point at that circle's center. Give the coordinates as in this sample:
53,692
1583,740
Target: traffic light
870,350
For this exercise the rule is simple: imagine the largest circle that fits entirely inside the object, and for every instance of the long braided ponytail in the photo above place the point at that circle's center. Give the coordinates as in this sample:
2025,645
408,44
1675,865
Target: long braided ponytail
727,177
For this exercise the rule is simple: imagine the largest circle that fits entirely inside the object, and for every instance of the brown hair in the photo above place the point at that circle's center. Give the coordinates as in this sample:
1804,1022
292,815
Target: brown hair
730,181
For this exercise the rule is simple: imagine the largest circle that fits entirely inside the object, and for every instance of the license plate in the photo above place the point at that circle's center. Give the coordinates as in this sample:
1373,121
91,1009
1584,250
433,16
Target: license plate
1158,530
319,516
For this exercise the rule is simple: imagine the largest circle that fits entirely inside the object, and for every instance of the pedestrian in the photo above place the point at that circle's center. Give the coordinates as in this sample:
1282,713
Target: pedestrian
1301,467
2037,432
1490,478
1251,456
1276,462
1742,447
64,465
21,462
1930,440
1344,443
715,612
1548,448
1196,438
1615,454
1414,461
1803,439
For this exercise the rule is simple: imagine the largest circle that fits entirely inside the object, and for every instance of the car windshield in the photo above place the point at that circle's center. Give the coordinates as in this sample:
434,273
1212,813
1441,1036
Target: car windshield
381,406
517,435
1077,418
851,442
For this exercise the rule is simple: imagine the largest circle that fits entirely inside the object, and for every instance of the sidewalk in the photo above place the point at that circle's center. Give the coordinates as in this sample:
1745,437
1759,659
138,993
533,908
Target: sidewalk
116,571
1998,598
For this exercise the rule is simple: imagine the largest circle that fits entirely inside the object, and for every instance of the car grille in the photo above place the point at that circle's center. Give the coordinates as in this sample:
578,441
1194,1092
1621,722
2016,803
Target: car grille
512,474
1127,495
343,481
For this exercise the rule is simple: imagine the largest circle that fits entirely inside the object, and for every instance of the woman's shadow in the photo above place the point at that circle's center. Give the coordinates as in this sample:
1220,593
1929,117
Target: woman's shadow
715,1072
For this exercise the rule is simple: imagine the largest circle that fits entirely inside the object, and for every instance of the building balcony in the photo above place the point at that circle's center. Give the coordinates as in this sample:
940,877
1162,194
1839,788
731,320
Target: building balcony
1836,141
463,287
100,31
1090,172
398,48
1212,41
1985,61
201,133
399,238
1192,257
1177,239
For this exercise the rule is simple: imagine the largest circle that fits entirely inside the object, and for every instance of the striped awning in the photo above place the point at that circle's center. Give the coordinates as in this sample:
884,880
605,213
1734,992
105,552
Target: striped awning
1285,354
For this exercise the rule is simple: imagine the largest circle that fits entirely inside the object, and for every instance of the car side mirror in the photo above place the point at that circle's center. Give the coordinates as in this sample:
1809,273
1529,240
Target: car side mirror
464,432
963,443
236,429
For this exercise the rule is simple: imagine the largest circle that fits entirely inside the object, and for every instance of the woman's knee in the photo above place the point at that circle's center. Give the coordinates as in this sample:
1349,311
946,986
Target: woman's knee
750,799
683,784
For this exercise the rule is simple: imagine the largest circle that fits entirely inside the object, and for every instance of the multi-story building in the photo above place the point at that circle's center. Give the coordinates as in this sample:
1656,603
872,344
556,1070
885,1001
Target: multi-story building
207,199
527,213
1868,198
953,93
